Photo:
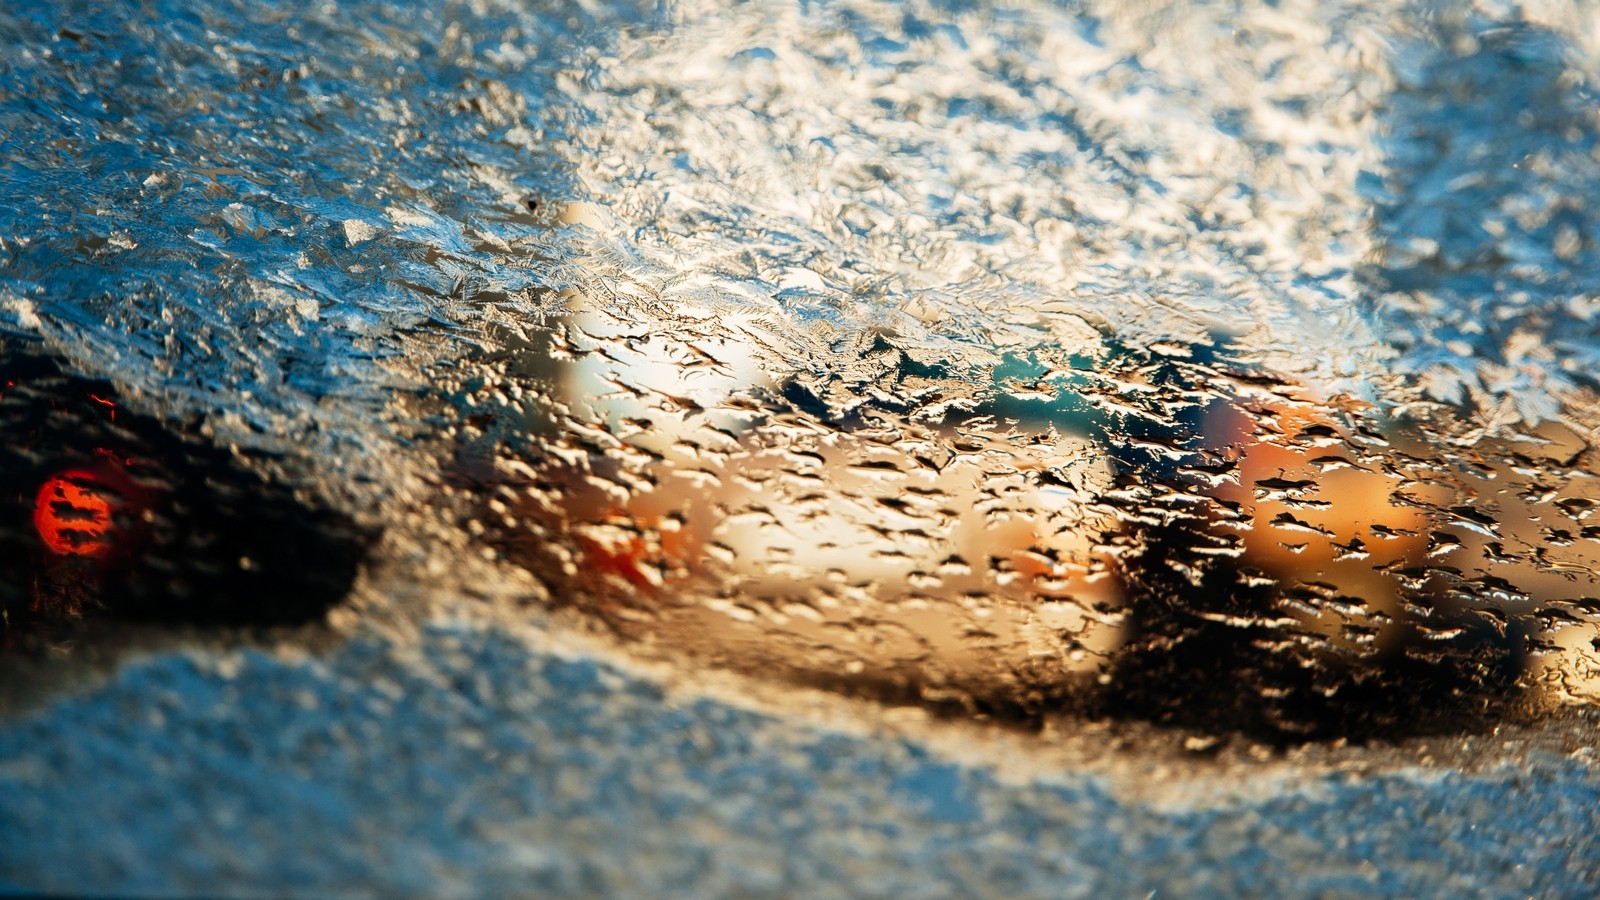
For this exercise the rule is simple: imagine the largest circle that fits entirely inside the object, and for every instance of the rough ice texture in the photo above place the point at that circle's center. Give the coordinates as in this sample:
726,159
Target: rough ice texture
270,198
581,255
474,767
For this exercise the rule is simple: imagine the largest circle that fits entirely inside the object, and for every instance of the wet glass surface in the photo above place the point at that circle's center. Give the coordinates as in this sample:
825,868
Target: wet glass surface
1026,374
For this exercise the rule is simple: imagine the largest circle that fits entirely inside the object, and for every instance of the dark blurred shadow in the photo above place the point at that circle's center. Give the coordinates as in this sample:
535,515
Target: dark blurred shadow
107,515
1323,616
1216,654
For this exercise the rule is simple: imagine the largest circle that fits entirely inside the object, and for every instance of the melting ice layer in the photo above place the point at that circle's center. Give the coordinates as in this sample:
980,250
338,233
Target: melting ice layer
1148,529
990,379
974,352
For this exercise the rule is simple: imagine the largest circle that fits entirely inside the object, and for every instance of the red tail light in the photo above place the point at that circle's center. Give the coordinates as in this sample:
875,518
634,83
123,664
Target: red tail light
74,515
88,512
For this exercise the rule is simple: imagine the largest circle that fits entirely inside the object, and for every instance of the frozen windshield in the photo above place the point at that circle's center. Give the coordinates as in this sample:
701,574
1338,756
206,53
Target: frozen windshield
1000,360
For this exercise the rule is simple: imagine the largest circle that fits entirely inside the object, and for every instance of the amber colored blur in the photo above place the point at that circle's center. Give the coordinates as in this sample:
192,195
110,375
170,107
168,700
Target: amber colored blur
849,561
1334,529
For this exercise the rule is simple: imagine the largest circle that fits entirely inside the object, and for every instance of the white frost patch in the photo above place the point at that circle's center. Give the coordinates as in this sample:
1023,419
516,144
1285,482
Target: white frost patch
23,311
969,180
358,232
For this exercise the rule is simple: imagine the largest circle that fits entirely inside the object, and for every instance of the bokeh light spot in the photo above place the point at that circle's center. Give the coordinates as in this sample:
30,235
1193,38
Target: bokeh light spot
73,514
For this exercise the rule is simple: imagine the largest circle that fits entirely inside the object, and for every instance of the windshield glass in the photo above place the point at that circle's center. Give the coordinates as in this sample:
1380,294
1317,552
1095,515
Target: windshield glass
997,360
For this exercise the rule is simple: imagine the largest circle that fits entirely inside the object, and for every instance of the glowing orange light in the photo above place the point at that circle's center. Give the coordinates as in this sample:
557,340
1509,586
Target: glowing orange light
73,515
108,404
628,560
